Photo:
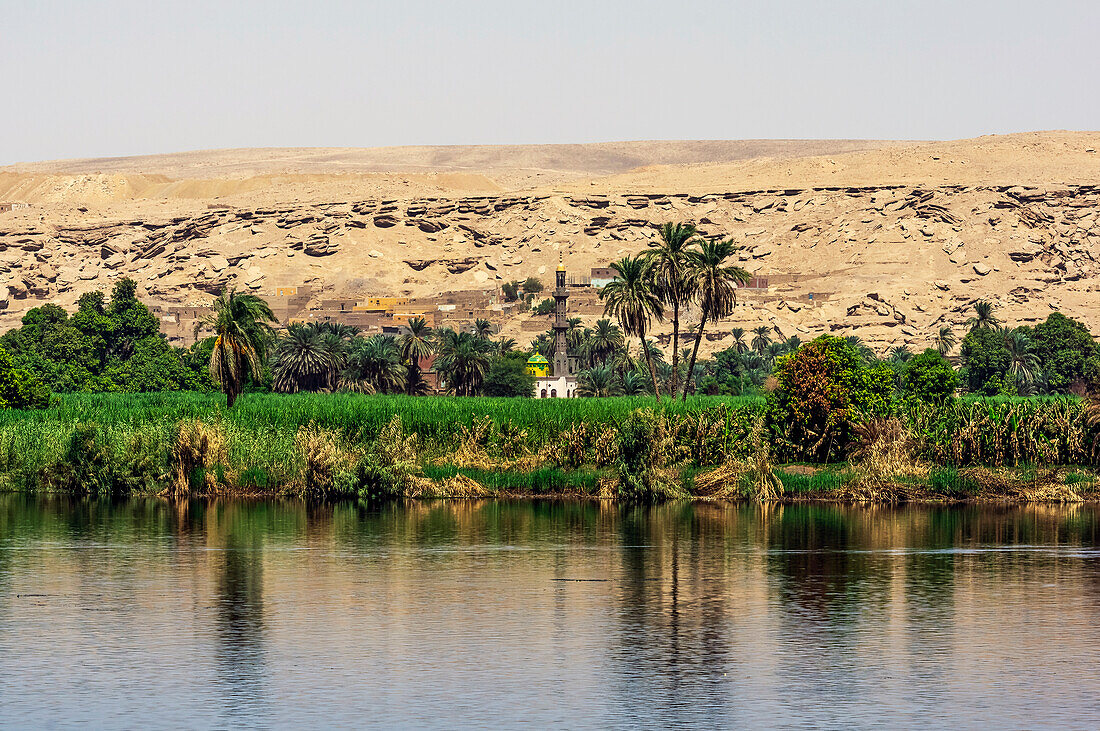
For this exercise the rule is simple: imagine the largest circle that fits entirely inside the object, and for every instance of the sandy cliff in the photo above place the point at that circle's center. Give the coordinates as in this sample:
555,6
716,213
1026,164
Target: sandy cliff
890,239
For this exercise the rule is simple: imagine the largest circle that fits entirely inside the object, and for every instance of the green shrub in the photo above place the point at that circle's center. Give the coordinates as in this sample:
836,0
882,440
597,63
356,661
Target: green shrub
822,390
929,378
19,389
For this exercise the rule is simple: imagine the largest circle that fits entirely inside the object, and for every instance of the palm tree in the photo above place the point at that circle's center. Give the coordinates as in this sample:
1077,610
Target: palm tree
739,339
633,383
631,299
857,342
901,354
792,344
716,280
762,340
1023,363
984,316
671,255
483,328
598,381
772,352
306,359
241,331
603,342
415,345
543,345
376,362
506,345
462,361
945,340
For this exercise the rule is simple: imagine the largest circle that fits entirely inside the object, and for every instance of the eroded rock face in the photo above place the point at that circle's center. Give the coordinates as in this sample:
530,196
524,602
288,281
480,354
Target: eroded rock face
926,252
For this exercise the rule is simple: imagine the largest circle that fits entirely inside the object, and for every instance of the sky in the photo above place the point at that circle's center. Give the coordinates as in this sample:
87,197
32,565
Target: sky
99,78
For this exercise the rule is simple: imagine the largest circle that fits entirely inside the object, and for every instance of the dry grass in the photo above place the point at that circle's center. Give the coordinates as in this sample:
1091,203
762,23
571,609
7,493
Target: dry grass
326,459
458,487
198,446
884,455
726,481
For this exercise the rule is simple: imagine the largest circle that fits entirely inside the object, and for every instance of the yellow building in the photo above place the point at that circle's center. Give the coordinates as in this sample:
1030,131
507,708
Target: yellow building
538,366
381,304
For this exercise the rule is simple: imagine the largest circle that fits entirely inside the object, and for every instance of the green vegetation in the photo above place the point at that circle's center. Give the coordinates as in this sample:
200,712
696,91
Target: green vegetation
320,411
324,446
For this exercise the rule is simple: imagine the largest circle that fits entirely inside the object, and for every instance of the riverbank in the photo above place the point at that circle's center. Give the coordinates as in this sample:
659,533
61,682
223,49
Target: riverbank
327,447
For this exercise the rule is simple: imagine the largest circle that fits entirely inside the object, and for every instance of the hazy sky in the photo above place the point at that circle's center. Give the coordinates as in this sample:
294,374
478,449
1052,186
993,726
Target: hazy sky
95,78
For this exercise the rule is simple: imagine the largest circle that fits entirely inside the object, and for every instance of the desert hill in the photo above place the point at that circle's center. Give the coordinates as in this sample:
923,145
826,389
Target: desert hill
883,239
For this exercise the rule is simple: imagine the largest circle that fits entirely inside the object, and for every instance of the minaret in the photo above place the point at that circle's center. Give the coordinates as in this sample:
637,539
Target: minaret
561,323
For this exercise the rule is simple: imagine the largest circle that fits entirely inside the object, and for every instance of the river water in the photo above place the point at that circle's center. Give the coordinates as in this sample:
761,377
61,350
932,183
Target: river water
502,614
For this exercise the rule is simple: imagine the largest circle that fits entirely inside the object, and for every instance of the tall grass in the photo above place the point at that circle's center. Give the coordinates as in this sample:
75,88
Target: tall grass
130,442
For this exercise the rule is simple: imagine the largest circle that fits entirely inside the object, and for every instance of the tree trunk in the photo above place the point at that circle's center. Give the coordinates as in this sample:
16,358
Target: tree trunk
652,370
675,340
230,397
694,354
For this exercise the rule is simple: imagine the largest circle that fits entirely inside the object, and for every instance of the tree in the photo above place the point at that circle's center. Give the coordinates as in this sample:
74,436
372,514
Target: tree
945,340
532,286
605,340
630,298
510,290
599,381
1063,346
985,317
929,378
240,323
306,359
482,328
762,339
901,354
739,341
508,377
670,255
985,361
546,307
822,391
462,361
132,320
1023,363
634,384
415,345
375,364
716,281
19,389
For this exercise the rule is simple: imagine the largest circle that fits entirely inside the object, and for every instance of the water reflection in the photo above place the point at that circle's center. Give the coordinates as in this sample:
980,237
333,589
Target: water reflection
554,613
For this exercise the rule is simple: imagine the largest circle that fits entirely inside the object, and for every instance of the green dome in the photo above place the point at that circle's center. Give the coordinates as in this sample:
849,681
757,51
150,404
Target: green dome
537,359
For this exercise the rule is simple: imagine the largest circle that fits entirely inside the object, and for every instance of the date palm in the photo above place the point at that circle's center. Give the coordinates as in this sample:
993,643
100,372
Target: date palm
631,299
462,361
945,340
671,258
240,323
739,340
1023,363
634,384
715,280
376,362
483,328
901,355
603,342
415,345
599,381
985,317
762,338
306,359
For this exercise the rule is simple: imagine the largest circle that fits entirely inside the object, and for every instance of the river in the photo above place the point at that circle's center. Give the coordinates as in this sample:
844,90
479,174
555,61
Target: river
146,614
